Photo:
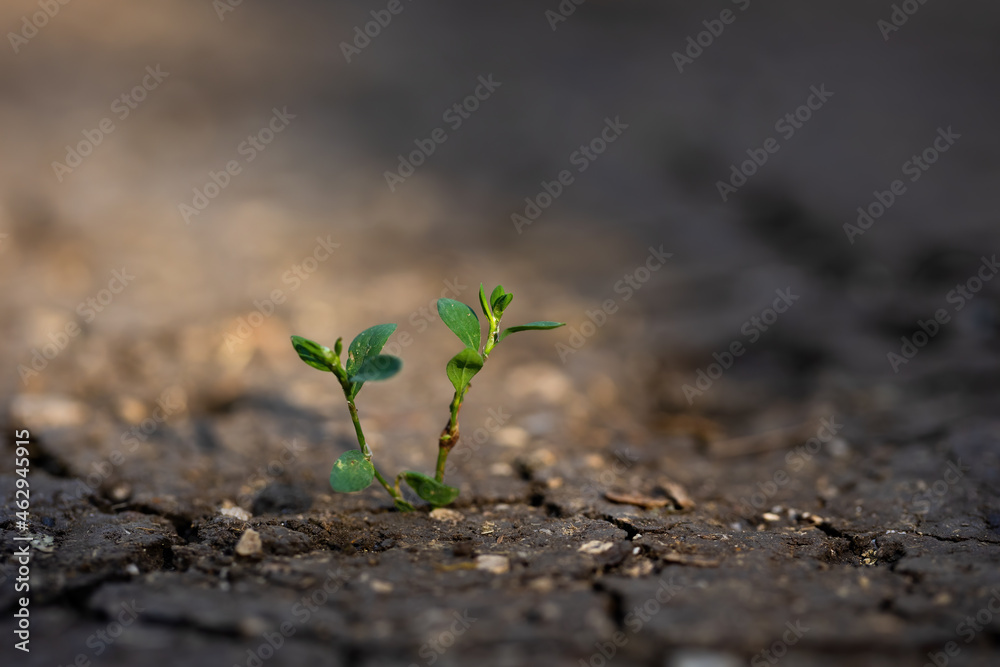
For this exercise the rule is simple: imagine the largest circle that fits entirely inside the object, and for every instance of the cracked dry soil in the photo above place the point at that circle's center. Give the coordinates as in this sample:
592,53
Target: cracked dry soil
871,544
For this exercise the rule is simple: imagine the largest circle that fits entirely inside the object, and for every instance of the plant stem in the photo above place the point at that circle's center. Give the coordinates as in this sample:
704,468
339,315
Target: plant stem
442,459
363,446
381,480
450,434
491,340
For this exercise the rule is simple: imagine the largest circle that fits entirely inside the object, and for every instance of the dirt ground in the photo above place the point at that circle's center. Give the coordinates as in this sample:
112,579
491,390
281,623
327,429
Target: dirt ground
718,462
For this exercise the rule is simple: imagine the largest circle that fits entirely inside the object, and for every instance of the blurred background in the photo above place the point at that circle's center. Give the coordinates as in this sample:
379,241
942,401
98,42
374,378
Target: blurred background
185,184
227,67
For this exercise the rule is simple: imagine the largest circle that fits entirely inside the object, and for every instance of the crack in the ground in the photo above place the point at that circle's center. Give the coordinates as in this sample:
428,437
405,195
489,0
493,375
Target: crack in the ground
618,522
830,530
183,525
42,459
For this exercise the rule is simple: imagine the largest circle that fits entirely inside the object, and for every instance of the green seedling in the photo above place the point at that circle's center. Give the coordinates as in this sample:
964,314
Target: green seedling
354,470
464,322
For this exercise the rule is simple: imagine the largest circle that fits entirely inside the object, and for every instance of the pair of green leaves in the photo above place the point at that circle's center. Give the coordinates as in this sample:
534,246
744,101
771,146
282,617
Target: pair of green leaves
353,472
364,361
497,303
464,323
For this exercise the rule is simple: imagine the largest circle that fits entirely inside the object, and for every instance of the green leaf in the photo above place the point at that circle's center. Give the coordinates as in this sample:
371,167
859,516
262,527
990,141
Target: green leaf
487,311
463,367
314,354
366,344
531,326
430,489
501,304
351,472
462,320
379,367
499,301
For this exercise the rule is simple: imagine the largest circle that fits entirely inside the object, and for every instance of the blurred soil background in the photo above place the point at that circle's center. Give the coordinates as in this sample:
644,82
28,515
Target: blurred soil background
607,514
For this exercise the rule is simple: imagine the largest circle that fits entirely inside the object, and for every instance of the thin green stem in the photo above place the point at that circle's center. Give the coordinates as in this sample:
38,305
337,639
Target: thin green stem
442,459
394,492
456,405
362,444
491,340
491,337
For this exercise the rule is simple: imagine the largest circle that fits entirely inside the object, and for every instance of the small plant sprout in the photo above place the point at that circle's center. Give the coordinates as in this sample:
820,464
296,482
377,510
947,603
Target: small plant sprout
464,322
354,470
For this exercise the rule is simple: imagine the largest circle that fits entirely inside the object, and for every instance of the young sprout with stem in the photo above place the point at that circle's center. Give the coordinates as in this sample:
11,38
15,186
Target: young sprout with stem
464,322
354,470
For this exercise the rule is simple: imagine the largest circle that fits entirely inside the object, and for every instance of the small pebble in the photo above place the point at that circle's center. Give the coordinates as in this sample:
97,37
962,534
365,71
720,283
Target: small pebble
39,412
380,586
542,584
130,409
235,512
501,469
511,436
641,569
120,492
493,563
445,514
541,458
595,547
839,448
249,543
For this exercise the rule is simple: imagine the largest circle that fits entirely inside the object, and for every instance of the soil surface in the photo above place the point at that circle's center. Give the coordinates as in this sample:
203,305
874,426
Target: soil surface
718,462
